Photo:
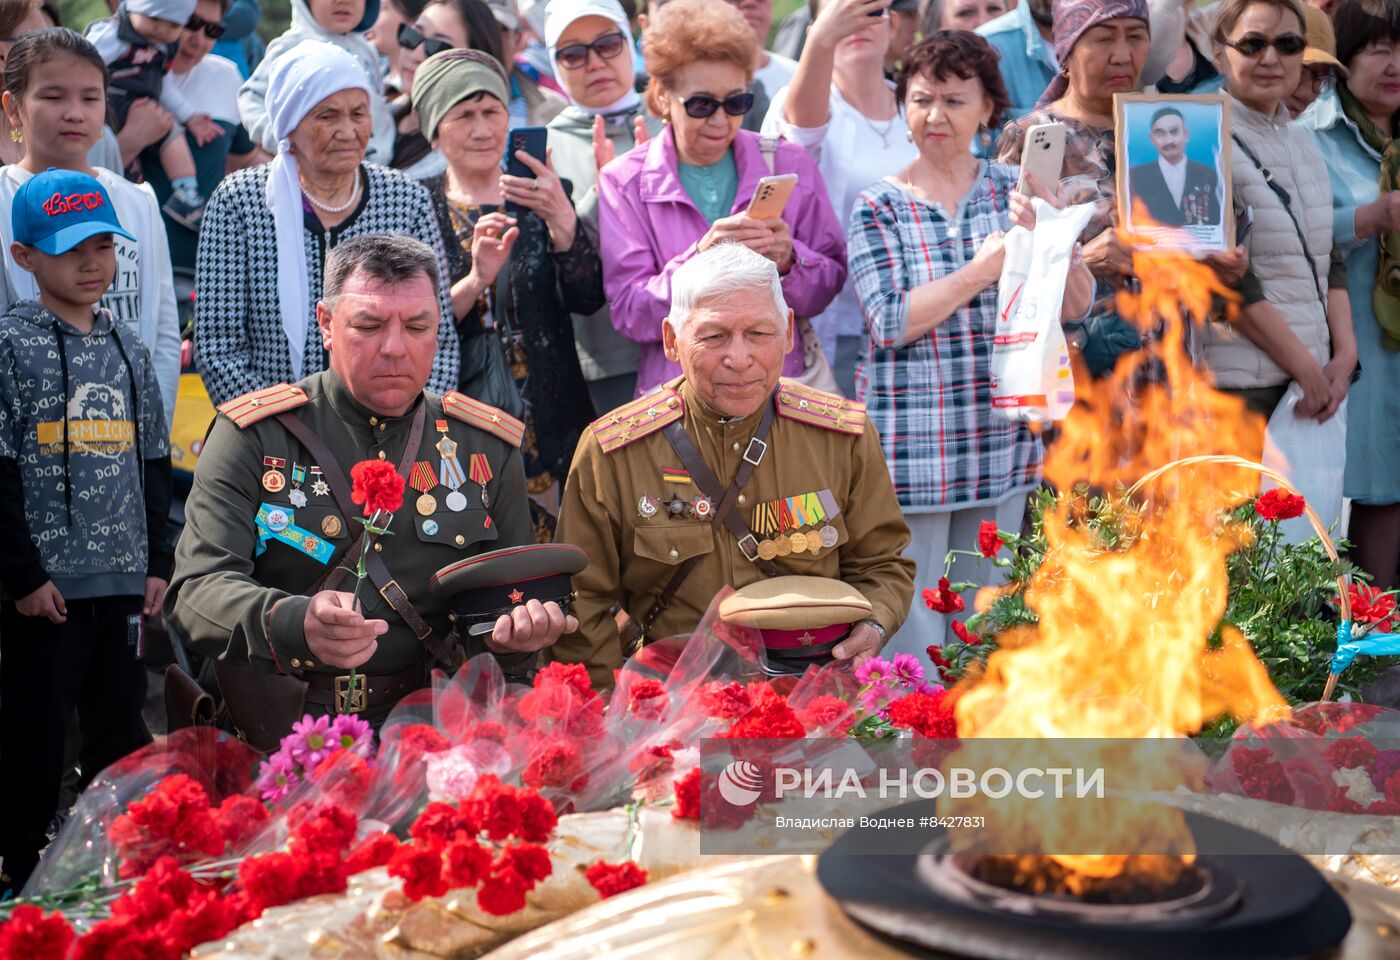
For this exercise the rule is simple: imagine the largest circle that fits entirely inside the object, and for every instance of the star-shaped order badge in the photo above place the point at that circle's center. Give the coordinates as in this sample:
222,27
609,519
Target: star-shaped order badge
516,596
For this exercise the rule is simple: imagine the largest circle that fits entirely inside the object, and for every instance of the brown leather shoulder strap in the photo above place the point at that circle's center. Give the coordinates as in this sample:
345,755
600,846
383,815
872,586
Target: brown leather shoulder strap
379,575
725,513
725,499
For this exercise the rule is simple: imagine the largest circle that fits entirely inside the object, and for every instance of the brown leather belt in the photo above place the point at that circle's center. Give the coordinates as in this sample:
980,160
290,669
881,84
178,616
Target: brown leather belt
331,690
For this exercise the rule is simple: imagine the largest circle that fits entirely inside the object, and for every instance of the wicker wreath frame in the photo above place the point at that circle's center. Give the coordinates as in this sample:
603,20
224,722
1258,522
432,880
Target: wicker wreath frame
1343,593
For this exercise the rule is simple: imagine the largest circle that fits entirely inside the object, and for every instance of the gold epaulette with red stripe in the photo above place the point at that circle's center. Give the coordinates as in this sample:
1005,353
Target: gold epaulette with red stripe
484,417
637,419
818,408
248,409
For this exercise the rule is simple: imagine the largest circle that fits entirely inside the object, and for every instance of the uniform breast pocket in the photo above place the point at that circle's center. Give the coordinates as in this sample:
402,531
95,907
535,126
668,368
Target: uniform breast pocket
673,543
456,529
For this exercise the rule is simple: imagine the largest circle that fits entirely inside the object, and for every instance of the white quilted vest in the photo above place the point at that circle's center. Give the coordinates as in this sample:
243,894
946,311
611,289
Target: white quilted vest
1290,152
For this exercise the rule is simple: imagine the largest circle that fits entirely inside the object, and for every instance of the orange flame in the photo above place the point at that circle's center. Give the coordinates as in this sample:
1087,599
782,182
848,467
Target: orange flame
1122,648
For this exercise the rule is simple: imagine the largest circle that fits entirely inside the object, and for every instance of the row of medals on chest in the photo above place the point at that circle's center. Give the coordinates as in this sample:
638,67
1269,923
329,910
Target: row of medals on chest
774,544
422,478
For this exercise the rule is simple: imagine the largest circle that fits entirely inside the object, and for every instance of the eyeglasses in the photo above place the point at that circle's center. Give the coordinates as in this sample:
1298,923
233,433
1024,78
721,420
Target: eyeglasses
703,105
575,55
211,30
1288,45
411,39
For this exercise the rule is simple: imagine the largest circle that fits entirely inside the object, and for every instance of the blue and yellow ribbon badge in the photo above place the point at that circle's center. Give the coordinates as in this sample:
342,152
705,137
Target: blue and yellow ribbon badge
276,523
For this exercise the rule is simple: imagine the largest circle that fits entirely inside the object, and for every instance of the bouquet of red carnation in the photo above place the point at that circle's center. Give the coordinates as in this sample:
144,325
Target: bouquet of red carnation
1339,757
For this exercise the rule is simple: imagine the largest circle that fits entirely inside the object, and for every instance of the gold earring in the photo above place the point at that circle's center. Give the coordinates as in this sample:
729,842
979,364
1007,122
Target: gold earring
17,136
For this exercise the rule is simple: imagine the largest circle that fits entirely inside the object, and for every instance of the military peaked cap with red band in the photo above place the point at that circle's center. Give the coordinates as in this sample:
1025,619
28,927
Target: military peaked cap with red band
481,588
800,619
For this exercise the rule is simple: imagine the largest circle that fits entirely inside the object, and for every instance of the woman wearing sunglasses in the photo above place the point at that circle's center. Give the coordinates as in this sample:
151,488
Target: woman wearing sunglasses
843,111
443,25
454,25
1296,321
688,188
590,45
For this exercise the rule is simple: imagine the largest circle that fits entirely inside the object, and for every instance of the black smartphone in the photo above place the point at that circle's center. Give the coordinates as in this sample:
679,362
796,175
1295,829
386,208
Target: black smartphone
531,140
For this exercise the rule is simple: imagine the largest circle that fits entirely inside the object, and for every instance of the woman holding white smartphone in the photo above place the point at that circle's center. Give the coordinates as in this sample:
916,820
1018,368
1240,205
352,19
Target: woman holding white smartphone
926,255
1102,46
843,112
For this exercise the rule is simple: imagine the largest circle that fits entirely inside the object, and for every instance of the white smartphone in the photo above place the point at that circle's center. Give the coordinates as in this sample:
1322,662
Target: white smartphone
1043,154
771,196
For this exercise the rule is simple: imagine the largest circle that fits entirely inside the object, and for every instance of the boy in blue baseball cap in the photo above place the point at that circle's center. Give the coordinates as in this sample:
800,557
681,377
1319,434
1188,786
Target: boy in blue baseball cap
85,486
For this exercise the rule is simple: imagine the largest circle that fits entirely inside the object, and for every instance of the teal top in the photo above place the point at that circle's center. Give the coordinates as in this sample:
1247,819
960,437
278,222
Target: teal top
711,188
1373,404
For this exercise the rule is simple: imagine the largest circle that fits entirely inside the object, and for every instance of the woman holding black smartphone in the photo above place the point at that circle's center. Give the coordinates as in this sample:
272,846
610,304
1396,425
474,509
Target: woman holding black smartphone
516,257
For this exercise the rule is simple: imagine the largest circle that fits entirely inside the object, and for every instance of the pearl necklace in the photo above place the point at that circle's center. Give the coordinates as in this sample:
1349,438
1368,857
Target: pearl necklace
327,208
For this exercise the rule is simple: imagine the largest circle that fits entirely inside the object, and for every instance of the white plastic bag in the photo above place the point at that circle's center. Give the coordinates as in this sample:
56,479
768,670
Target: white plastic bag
1031,378
1313,457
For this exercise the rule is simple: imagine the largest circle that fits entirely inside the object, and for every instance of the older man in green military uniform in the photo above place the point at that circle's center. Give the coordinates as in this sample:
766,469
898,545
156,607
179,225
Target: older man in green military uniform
264,571
726,476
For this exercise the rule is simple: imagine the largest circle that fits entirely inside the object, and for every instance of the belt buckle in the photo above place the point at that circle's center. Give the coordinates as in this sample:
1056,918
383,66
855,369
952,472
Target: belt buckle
748,546
344,702
755,459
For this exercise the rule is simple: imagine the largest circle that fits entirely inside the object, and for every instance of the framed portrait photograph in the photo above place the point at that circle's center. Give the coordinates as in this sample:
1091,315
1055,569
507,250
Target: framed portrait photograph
1173,171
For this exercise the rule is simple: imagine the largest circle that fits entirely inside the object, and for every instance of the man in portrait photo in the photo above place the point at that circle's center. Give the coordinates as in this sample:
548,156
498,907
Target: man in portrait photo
1175,190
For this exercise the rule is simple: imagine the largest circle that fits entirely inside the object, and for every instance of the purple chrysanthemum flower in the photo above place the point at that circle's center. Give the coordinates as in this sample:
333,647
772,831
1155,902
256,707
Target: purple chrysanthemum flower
1384,767
311,741
349,732
276,777
874,670
907,669
877,698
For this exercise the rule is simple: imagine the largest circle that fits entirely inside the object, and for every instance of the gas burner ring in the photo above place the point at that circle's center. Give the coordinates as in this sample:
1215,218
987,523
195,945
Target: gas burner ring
949,875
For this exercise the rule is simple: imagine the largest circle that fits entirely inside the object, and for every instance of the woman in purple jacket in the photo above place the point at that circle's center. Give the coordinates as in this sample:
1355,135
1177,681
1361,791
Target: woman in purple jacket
689,188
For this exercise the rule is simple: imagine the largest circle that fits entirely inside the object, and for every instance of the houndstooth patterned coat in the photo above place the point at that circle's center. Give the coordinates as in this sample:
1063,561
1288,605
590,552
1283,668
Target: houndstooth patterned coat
238,324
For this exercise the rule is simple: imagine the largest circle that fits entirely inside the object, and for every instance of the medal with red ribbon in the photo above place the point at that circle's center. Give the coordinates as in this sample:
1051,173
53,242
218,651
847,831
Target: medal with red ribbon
479,470
423,478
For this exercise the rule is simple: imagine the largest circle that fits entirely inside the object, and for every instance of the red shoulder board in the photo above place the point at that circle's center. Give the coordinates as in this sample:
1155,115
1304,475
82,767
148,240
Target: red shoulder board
818,408
483,416
638,418
248,409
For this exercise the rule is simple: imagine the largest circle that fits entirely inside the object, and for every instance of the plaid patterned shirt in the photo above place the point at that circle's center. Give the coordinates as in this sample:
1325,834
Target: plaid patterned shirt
931,399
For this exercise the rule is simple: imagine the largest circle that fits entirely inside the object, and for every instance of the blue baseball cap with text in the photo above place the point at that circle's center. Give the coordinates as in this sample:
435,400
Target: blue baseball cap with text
56,210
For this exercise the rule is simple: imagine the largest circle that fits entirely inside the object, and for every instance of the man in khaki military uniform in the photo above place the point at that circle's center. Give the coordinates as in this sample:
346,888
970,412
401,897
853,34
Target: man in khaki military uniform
817,498
265,567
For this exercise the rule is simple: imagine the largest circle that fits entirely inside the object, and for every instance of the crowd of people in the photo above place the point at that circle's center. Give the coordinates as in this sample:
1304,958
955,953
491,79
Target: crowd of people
231,171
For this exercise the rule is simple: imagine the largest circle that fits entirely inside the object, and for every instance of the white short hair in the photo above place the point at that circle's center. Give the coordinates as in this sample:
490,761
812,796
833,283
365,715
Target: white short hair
725,270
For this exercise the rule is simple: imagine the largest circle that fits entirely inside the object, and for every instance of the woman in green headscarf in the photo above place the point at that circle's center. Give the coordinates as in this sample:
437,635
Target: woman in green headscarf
1355,124
511,274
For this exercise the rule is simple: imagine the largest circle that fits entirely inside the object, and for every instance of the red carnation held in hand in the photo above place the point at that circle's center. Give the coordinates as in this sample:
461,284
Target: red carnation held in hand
377,485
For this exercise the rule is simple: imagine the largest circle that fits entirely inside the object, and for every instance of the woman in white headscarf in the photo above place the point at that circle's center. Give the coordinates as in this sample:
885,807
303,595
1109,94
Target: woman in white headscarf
590,47
266,231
